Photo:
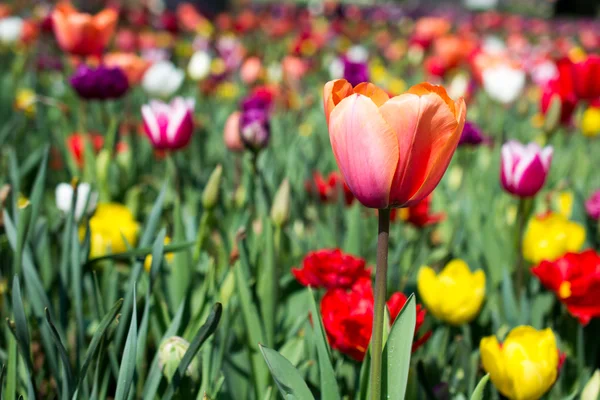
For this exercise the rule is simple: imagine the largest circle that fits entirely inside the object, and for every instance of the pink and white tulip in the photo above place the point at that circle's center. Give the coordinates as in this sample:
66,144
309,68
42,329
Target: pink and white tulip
524,168
169,126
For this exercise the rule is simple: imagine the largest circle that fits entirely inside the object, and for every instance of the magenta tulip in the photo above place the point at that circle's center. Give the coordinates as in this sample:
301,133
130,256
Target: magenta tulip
524,168
169,126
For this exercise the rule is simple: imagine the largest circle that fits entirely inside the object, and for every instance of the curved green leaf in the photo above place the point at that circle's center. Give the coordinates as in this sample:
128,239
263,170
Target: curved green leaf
288,379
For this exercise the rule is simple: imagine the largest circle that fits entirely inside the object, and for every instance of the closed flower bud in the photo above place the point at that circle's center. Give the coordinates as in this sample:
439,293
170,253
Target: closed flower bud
85,195
524,168
169,126
455,295
170,354
553,113
280,211
103,162
231,133
210,195
525,365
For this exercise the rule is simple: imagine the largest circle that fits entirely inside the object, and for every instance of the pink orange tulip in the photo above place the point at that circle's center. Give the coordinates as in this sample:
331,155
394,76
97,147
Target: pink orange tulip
394,151
82,34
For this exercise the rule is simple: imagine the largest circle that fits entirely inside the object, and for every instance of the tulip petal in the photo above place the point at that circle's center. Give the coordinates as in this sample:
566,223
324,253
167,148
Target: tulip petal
378,95
428,132
365,148
427,285
493,362
149,118
334,92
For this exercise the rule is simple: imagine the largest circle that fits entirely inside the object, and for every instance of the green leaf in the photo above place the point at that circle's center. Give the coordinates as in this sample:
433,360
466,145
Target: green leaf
329,386
21,328
38,186
158,249
266,288
62,353
98,335
508,299
286,376
209,327
128,359
397,351
140,253
11,382
480,388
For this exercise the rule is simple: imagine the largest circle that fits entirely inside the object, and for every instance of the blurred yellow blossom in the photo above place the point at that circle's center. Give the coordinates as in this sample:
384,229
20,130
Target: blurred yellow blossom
455,295
25,101
108,226
577,54
168,256
228,90
564,203
590,122
306,129
550,236
525,366
217,66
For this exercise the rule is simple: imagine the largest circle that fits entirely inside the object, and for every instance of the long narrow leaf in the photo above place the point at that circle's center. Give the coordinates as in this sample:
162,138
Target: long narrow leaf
288,379
128,360
62,352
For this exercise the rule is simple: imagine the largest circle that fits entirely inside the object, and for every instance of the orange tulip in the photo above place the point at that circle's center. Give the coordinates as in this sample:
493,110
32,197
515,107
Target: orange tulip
80,33
394,151
133,65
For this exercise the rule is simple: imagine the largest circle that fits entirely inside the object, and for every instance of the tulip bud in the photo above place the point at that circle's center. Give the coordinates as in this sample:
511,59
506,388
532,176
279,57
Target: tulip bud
210,195
240,196
199,66
280,211
227,288
591,390
255,129
170,353
524,168
590,122
64,199
553,114
103,161
162,79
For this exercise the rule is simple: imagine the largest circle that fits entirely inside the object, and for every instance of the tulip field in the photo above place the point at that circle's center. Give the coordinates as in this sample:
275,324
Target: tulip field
302,201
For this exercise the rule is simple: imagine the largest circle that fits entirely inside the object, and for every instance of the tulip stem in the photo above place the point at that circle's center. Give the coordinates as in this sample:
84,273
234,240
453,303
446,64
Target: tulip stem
522,216
379,308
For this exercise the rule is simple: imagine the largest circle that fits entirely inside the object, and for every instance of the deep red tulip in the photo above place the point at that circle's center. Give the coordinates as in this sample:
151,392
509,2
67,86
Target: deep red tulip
76,145
575,278
563,87
331,269
586,78
348,317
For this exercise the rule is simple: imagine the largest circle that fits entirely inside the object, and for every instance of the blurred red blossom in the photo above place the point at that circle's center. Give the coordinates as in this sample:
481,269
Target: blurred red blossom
418,215
328,188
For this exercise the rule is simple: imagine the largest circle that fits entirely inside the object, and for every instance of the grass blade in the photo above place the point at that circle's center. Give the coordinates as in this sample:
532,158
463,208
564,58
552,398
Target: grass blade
128,360
62,352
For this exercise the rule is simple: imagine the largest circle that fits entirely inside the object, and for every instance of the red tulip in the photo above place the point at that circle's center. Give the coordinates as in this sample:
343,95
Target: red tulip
586,78
575,278
563,87
330,269
348,317
76,145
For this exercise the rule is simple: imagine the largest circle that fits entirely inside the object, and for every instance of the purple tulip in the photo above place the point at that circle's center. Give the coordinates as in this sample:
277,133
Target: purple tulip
169,126
472,135
524,167
592,205
355,72
255,128
99,83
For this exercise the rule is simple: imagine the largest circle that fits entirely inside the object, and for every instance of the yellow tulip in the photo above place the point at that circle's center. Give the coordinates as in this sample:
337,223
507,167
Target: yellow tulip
565,203
148,260
550,236
590,122
108,226
525,366
455,295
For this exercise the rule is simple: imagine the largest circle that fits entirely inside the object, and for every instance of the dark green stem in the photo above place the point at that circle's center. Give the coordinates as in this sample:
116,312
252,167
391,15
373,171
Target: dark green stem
379,307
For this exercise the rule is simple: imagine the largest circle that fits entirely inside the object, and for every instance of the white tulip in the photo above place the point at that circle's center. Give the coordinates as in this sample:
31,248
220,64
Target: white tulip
274,72
199,66
336,68
503,83
10,29
459,86
357,54
64,199
162,79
